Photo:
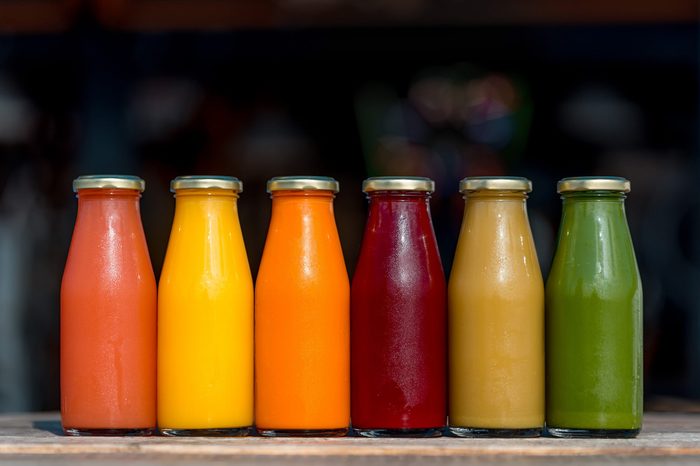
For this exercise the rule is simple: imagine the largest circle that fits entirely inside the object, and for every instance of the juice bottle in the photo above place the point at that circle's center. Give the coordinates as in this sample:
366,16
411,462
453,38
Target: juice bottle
205,314
594,315
302,305
496,315
108,314
398,315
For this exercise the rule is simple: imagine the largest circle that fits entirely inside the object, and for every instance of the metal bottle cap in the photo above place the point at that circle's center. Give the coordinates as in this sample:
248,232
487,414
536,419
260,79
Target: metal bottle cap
594,183
495,183
229,183
302,183
398,183
108,182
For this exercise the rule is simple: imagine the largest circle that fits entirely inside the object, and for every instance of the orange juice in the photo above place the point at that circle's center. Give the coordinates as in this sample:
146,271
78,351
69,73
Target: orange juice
205,314
496,315
302,304
108,314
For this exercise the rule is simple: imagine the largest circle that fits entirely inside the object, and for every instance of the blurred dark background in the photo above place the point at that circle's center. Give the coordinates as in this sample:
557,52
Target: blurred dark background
255,89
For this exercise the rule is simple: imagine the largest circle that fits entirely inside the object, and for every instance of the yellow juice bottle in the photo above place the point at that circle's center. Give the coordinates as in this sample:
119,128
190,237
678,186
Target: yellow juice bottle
205,314
496,315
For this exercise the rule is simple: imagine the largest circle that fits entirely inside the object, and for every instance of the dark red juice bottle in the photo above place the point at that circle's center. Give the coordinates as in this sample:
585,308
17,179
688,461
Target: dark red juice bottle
398,315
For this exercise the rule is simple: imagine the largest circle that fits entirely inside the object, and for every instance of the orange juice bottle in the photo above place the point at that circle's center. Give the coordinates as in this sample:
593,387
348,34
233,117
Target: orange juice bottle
302,315
108,314
205,314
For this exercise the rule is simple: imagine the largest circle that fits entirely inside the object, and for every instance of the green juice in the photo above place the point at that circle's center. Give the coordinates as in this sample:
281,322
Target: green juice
594,321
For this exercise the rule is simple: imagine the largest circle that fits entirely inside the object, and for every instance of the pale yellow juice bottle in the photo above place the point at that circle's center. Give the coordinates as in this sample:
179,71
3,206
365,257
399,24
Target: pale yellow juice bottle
205,314
496,315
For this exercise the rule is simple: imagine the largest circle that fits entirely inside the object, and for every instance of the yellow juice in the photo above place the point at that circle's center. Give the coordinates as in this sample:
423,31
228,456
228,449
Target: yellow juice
205,315
496,316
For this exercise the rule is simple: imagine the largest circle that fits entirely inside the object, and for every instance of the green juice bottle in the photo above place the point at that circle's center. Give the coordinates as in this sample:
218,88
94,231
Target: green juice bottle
594,316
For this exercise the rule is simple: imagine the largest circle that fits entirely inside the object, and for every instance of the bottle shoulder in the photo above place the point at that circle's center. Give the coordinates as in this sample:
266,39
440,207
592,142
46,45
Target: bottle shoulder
594,276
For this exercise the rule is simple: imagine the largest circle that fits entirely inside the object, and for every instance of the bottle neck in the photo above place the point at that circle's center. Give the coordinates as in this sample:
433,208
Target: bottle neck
574,197
399,224
122,199
398,196
592,203
201,205
302,215
398,203
109,212
98,193
591,214
496,196
302,194
204,196
594,238
312,201
495,216
511,203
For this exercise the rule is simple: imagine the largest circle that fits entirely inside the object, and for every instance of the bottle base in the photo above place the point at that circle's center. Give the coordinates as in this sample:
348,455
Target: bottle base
479,432
406,433
562,432
303,432
128,432
220,432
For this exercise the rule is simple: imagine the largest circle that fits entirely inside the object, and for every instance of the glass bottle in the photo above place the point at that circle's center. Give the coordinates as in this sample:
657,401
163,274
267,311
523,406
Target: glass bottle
594,315
398,315
205,314
496,315
302,305
108,314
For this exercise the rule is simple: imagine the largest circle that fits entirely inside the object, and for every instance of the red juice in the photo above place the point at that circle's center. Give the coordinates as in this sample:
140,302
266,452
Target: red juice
398,315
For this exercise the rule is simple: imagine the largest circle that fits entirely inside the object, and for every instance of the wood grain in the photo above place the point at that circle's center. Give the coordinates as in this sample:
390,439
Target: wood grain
32,438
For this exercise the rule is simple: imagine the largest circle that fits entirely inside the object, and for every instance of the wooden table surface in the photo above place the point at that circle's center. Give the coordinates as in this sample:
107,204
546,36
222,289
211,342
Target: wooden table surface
37,438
